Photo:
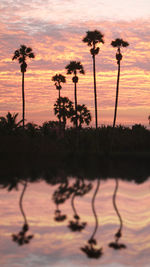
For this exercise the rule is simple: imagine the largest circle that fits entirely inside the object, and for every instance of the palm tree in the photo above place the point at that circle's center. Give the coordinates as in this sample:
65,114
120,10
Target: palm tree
72,68
83,116
92,38
9,124
63,108
21,55
118,43
58,79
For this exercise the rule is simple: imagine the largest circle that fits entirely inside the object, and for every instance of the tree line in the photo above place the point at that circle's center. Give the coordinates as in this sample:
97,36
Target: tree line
63,108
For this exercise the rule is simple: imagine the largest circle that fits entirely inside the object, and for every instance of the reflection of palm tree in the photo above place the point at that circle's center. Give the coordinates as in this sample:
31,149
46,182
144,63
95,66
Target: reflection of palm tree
20,203
72,68
118,235
60,196
80,189
59,217
22,54
76,225
21,238
92,38
90,249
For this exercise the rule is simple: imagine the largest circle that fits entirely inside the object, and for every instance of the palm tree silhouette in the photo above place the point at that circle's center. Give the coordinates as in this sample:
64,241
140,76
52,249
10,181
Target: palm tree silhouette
118,43
83,116
90,249
78,189
21,55
21,238
59,197
63,108
149,119
72,68
92,38
58,79
10,123
118,235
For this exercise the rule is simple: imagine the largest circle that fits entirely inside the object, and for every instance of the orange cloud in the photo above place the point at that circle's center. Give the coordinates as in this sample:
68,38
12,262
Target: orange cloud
54,47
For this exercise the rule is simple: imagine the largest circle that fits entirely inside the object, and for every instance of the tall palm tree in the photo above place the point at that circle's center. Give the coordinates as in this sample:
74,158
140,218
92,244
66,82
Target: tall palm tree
72,68
58,79
92,38
21,55
118,43
149,119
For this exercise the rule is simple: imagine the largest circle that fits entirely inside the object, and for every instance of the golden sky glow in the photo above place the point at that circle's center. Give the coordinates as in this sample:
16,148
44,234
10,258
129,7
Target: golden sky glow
54,30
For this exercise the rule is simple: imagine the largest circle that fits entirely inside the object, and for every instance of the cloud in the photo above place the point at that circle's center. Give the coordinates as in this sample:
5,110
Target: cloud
56,43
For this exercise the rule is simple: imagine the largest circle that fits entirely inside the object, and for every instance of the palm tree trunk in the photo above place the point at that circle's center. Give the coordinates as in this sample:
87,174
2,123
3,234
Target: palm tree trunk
95,94
59,108
23,100
73,205
20,203
117,92
115,205
75,97
93,209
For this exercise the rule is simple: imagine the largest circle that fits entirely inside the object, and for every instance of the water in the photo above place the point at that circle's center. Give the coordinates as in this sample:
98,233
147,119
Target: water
54,244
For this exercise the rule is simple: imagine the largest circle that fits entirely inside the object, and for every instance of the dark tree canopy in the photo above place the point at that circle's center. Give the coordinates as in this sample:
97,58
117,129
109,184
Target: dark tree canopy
58,79
93,37
119,43
22,54
74,66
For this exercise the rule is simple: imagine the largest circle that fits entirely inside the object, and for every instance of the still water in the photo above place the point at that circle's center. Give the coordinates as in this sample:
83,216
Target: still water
58,235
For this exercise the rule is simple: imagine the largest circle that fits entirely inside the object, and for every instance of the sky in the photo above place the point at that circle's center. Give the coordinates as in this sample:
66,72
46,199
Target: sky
54,29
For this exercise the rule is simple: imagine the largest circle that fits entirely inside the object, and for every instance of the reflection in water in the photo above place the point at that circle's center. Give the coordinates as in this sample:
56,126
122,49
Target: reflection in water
79,189
90,249
55,245
59,197
21,238
116,244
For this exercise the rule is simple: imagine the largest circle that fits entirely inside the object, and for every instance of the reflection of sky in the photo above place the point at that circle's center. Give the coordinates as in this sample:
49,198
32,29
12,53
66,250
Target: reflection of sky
55,245
54,29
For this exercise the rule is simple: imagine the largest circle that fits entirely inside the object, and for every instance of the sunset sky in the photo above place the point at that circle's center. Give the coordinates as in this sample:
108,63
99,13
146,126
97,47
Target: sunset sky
55,29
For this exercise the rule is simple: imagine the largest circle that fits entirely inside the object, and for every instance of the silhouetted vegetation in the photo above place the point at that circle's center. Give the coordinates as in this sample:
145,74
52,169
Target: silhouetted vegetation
72,68
116,244
90,249
22,238
92,38
21,55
